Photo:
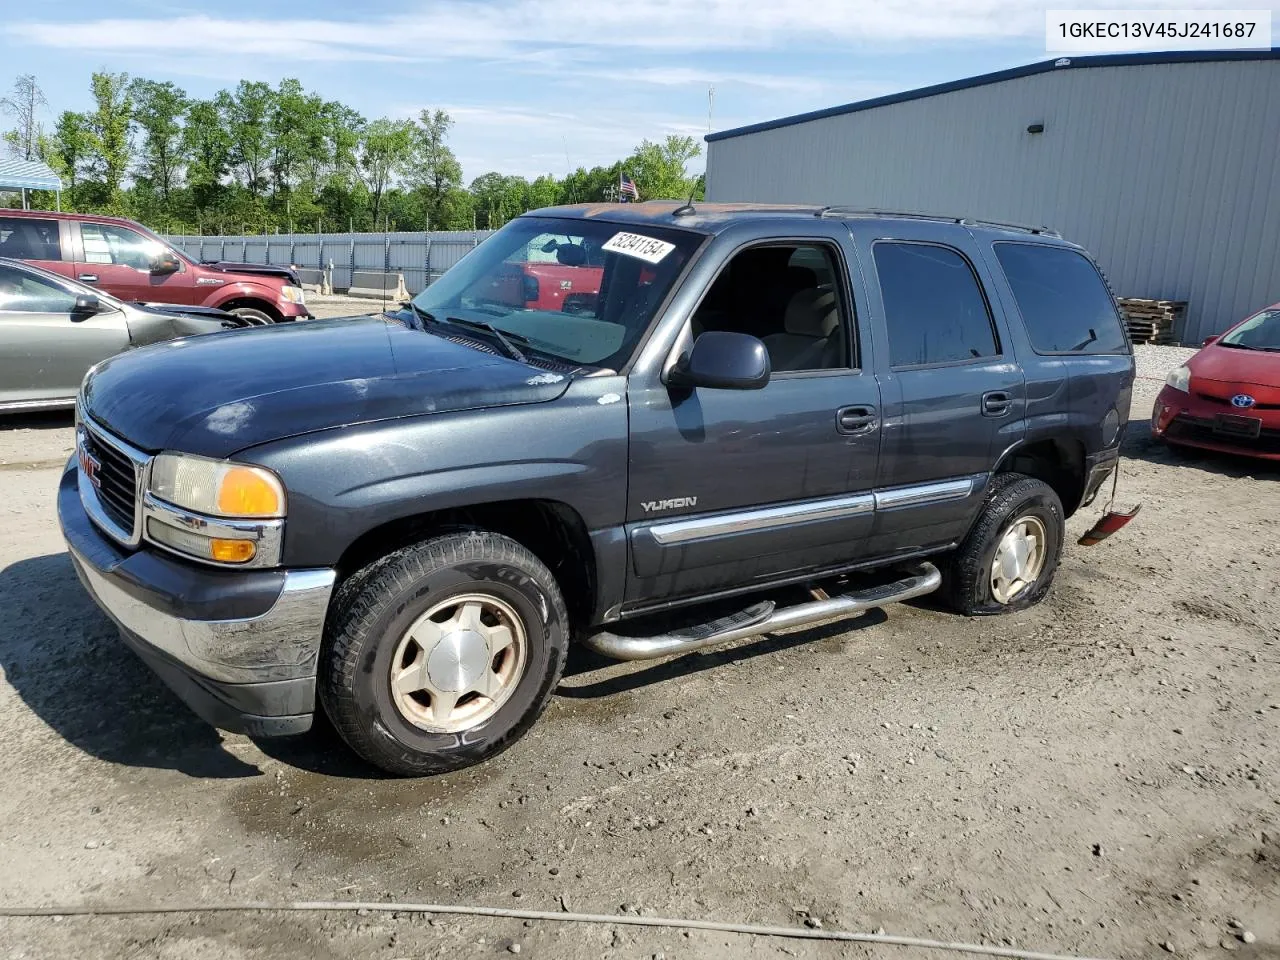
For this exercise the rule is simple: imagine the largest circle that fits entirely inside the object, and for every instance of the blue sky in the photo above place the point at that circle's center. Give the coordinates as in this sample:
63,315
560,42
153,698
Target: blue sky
541,85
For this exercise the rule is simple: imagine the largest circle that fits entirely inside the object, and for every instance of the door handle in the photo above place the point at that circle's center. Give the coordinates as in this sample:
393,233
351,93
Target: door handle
88,277
996,403
855,420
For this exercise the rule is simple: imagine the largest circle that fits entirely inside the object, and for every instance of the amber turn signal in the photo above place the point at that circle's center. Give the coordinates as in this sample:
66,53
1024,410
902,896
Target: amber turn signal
232,551
246,492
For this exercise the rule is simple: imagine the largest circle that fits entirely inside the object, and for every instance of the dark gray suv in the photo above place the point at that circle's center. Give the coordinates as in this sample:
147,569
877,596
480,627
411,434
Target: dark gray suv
646,428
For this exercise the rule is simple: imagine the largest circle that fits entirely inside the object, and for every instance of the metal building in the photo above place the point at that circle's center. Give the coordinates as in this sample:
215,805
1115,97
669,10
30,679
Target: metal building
1165,166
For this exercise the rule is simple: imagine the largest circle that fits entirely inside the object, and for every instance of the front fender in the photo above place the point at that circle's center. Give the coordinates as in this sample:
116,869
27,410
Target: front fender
345,482
239,290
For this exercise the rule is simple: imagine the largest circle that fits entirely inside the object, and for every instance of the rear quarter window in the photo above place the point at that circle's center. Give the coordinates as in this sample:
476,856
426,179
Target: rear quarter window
26,238
1065,306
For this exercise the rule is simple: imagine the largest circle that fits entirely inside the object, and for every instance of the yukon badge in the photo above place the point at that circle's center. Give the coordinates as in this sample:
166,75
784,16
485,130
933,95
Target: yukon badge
653,506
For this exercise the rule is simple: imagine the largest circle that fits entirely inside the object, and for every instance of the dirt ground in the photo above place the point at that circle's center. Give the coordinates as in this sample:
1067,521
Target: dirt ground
1097,776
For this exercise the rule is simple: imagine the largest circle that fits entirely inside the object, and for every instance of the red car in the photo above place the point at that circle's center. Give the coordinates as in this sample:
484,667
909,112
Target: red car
131,263
1227,396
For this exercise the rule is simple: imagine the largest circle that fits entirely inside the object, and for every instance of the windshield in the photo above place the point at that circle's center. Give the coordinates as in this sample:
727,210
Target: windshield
582,291
1260,332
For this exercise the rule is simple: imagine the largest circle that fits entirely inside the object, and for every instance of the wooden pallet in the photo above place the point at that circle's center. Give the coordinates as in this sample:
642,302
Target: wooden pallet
1153,321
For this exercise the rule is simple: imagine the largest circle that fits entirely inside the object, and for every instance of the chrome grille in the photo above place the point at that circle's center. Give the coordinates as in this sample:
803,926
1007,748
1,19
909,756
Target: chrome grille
111,494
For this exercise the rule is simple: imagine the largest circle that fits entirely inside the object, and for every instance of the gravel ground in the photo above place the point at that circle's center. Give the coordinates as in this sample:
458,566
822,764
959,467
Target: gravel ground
337,305
1095,776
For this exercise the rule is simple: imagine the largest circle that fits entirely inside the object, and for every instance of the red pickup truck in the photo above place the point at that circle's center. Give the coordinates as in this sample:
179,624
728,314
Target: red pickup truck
130,262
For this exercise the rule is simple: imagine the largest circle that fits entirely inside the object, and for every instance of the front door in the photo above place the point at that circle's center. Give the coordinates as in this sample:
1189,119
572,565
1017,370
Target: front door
953,391
45,348
734,487
118,260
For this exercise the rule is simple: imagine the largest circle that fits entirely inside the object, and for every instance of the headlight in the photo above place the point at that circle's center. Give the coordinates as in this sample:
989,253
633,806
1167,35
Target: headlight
1180,378
217,488
293,294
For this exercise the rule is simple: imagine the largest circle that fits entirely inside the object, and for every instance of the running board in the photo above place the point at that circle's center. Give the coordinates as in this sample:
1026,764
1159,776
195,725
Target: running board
764,617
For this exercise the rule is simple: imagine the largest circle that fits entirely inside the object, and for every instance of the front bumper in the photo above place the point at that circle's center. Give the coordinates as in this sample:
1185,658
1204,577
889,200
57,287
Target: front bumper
1188,420
239,647
293,311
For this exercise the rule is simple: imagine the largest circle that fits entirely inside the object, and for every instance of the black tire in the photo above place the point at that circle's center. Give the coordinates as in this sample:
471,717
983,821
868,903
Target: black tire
967,578
374,609
254,315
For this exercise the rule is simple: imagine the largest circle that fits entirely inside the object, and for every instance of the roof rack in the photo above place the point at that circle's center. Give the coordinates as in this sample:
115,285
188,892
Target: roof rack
849,212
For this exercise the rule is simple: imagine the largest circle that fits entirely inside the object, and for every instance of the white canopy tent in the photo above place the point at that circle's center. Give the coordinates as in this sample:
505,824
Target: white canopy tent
27,175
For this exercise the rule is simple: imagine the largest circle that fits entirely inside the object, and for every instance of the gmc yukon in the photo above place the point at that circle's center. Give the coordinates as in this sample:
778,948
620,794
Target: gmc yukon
754,418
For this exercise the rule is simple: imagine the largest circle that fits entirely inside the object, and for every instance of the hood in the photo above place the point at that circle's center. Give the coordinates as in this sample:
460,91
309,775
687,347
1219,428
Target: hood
215,395
260,269
1221,370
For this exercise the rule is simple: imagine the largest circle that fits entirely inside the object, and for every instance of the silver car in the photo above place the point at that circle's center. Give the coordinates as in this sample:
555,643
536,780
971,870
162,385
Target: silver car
52,330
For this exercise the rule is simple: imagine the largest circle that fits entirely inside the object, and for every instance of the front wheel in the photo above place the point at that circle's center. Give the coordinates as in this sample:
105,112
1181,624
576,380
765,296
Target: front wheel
254,316
1009,557
444,653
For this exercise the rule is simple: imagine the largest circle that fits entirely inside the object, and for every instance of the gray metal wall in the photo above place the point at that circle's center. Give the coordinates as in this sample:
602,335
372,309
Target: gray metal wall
421,257
1168,173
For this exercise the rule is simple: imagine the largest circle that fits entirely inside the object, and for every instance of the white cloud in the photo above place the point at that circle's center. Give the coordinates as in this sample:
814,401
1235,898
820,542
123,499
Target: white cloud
441,29
532,142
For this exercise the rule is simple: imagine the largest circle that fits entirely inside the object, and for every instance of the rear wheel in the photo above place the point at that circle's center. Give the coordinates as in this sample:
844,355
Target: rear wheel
1009,557
444,653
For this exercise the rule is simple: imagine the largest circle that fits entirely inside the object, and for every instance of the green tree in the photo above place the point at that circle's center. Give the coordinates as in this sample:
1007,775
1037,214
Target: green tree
247,114
26,140
298,136
434,172
385,149
337,164
158,110
110,141
591,186
658,169
70,149
206,143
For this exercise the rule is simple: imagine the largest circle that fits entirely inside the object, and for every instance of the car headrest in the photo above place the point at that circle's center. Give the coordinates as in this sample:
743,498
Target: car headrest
812,313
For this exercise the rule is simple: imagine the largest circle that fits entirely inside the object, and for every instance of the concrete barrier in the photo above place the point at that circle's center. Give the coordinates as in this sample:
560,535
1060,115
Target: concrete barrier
377,285
314,280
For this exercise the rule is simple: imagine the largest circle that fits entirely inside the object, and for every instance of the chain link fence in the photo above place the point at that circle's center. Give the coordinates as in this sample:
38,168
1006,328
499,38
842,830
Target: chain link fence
420,257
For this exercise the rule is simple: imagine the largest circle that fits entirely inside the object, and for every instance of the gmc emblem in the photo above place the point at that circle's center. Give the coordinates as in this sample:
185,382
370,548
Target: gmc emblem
89,464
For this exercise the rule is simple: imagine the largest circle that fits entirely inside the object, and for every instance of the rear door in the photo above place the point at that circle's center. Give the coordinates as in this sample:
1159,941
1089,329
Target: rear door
1073,330
45,348
35,240
953,391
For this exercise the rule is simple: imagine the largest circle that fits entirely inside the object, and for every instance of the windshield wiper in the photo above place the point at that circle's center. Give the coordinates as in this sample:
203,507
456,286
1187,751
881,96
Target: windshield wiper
1239,346
512,350
419,312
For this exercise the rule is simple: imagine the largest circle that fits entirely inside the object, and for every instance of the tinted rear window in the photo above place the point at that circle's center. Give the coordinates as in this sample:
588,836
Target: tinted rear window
1064,303
25,238
933,305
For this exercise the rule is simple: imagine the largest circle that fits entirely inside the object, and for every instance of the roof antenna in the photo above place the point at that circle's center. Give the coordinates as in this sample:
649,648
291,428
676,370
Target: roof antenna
688,209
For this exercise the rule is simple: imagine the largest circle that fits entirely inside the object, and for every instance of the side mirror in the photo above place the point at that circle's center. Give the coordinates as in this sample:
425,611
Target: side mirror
723,360
1212,338
164,263
86,305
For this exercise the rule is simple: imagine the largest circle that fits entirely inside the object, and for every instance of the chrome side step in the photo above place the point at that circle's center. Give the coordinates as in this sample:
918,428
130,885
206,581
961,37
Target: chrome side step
921,578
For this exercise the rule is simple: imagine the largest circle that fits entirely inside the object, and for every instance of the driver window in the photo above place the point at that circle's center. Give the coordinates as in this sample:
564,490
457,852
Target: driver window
789,297
104,243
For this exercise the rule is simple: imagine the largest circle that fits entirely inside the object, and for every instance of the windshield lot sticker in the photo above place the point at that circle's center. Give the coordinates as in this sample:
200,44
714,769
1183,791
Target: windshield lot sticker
634,245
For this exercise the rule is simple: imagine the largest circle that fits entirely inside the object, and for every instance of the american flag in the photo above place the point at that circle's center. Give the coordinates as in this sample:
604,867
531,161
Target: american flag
627,188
